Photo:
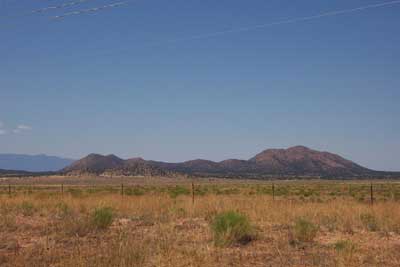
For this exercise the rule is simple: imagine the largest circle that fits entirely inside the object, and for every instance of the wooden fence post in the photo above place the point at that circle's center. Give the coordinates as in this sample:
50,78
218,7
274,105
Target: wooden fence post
9,190
62,190
372,195
273,191
392,191
192,193
122,189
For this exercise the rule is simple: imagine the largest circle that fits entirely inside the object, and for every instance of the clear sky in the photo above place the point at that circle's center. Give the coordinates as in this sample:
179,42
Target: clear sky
135,80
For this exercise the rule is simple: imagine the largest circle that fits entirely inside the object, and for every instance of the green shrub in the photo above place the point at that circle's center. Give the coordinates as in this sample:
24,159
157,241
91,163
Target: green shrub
200,191
77,226
231,228
8,223
369,221
134,191
93,190
174,192
344,246
345,249
304,230
27,208
63,210
180,212
281,191
330,222
228,191
103,217
75,192
262,190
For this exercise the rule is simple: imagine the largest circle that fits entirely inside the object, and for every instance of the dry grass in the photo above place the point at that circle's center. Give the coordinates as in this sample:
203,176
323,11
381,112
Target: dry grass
154,225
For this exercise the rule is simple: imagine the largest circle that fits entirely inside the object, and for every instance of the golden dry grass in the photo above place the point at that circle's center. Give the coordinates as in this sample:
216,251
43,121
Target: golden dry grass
159,226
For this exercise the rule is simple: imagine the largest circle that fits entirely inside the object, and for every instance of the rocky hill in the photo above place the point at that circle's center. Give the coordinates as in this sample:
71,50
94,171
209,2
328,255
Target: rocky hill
301,160
296,161
112,165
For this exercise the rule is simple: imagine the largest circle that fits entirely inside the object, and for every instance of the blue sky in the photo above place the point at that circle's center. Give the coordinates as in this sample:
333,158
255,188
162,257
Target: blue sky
134,81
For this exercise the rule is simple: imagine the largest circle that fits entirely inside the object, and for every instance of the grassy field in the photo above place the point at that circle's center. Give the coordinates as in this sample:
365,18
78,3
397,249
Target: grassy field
89,222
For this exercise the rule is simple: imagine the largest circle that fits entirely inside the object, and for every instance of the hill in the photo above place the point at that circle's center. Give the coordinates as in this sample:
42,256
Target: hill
298,161
112,165
301,160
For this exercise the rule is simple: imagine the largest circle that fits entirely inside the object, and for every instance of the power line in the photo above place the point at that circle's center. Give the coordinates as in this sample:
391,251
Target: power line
61,6
69,4
212,34
90,10
45,9
288,21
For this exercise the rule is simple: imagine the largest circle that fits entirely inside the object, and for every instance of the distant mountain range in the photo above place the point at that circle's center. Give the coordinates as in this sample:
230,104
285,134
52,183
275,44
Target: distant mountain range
298,161
10,173
33,163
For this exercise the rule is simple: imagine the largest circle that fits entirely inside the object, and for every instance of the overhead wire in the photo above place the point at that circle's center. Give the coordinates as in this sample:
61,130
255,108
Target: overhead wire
287,21
90,10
